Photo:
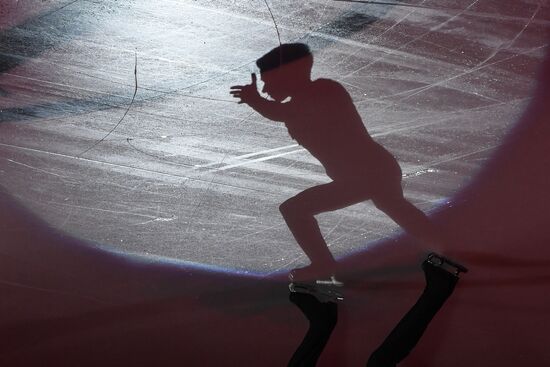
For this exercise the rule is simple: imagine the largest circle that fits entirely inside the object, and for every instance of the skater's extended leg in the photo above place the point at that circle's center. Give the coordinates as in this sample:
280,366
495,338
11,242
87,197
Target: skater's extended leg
404,337
410,218
299,213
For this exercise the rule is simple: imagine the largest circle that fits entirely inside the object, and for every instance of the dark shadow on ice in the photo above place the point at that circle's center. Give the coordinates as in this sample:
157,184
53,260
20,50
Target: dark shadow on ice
322,317
390,3
25,43
73,106
321,117
344,26
440,284
38,34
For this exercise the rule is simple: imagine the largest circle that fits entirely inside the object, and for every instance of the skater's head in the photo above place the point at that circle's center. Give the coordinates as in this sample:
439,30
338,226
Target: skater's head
285,68
297,54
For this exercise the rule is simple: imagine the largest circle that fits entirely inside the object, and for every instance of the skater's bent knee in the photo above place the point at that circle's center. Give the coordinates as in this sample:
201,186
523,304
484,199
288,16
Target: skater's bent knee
286,207
389,203
293,208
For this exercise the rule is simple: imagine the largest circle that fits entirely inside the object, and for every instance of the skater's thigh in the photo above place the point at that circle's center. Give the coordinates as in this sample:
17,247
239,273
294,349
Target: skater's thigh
332,196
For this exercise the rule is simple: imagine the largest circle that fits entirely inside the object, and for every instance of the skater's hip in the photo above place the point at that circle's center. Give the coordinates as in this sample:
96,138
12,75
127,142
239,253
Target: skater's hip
385,170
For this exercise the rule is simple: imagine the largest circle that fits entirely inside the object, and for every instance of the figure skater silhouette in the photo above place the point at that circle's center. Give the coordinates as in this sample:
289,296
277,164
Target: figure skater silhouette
321,117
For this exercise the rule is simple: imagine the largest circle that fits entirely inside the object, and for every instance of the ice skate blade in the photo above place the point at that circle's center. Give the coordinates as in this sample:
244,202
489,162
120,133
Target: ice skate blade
446,264
330,282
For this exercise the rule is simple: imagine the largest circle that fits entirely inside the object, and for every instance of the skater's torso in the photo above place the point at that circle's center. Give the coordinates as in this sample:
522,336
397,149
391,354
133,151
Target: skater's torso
326,123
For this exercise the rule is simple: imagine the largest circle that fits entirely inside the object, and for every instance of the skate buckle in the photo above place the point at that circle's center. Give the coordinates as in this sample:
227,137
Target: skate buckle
446,264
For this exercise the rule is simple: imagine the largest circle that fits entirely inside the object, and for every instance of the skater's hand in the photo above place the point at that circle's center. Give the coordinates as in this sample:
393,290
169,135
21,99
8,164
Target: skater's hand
246,93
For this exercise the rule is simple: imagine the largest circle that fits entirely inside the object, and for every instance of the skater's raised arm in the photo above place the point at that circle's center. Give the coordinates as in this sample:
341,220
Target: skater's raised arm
248,94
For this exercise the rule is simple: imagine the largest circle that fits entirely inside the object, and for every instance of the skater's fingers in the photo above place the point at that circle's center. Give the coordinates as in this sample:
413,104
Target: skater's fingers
253,76
237,86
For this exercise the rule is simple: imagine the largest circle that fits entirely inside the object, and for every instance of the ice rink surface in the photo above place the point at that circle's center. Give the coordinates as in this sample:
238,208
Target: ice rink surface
117,128
190,174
